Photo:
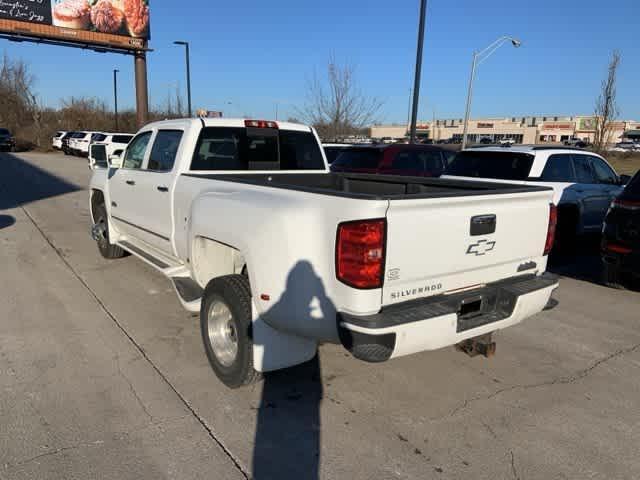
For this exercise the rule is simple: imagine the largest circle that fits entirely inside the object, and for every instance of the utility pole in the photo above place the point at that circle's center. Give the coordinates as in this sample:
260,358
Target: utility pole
188,62
416,84
115,96
142,94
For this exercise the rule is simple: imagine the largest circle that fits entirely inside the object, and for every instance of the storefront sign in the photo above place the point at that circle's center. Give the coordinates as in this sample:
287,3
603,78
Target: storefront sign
558,126
485,125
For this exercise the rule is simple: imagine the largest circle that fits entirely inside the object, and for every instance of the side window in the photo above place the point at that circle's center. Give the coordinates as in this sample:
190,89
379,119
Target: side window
218,149
558,169
584,172
603,172
406,160
165,148
135,152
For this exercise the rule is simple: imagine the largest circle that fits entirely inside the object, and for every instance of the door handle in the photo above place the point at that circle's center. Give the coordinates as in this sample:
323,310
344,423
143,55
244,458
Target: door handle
162,189
130,182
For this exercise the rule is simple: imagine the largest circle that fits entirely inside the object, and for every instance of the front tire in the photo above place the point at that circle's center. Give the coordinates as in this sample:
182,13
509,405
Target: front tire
225,324
101,228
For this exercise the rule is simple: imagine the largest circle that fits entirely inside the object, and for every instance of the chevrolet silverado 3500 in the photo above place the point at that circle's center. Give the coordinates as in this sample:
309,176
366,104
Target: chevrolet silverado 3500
278,254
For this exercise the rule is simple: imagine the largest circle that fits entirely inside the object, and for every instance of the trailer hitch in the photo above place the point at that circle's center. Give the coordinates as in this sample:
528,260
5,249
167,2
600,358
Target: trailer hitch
482,345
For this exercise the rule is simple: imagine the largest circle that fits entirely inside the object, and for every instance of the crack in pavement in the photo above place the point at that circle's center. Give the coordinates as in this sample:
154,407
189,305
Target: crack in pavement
558,381
138,347
513,466
134,392
57,451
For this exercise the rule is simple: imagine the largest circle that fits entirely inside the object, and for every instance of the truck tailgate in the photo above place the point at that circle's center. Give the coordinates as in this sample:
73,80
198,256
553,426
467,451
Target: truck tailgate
442,245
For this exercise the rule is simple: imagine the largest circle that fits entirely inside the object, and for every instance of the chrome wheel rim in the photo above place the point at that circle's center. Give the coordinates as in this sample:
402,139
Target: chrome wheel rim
223,336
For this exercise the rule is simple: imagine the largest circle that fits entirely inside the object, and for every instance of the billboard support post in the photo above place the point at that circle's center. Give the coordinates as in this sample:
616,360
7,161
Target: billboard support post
142,94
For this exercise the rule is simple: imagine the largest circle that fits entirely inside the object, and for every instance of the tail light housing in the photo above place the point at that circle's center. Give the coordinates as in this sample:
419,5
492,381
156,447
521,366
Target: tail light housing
551,231
360,253
626,204
260,124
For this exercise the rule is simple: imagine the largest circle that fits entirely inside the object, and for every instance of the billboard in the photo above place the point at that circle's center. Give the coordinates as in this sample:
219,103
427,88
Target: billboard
118,23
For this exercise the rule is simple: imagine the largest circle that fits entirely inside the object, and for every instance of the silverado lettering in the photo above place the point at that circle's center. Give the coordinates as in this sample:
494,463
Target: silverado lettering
416,291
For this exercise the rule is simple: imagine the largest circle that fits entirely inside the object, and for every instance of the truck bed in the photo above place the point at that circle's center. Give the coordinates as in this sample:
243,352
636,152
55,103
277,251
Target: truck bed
373,187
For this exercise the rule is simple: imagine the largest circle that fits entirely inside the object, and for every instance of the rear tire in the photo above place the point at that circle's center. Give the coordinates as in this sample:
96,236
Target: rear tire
225,324
107,249
567,231
611,277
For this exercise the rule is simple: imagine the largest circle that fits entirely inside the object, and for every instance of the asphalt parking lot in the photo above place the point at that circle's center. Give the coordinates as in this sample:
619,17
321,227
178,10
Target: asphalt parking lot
103,375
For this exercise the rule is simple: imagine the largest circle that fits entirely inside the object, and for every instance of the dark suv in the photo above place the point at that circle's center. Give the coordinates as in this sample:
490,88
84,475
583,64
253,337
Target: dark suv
7,142
399,159
621,236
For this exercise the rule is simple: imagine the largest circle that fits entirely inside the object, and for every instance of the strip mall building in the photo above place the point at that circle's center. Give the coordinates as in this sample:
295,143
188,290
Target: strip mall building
529,130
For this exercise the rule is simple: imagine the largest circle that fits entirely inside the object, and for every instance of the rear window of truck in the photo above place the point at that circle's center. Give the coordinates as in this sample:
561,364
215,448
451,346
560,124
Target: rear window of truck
237,149
498,165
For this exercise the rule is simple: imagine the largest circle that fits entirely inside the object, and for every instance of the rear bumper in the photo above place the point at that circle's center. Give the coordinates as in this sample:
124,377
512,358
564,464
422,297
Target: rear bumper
437,322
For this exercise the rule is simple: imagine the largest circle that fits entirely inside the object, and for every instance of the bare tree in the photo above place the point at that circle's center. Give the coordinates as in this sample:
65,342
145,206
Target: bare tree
335,105
606,110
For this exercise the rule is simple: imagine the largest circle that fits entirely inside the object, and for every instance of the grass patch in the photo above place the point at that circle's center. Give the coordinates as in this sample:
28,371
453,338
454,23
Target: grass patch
624,162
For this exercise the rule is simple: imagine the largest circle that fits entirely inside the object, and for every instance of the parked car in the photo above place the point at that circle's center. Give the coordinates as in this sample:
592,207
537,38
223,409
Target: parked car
72,143
621,236
56,141
584,183
105,146
7,141
278,254
507,141
485,140
80,142
625,147
576,142
332,150
399,159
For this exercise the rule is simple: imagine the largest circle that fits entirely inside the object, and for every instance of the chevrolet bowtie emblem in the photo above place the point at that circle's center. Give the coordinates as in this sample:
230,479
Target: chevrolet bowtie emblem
481,248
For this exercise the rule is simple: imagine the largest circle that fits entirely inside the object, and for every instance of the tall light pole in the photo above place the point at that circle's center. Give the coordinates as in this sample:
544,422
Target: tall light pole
416,83
478,58
115,95
186,46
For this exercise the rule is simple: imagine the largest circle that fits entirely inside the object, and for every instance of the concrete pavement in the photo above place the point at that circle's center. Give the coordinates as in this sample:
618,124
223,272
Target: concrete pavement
103,375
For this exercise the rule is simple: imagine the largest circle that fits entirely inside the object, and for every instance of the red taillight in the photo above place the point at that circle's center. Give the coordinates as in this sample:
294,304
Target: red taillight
626,204
551,231
260,124
612,247
360,253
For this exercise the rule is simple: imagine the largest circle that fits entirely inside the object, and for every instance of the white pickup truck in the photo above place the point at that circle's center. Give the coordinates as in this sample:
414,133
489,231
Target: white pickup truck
278,254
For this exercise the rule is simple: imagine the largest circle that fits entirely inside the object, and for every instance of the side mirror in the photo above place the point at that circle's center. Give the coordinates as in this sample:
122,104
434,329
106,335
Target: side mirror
115,160
624,179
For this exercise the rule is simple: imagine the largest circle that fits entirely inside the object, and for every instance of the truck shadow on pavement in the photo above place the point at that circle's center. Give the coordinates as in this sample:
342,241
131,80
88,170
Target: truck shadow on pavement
583,262
22,183
288,427
6,221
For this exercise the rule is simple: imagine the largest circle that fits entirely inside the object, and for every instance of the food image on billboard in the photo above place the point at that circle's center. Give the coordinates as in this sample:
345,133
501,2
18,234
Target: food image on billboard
95,21
119,17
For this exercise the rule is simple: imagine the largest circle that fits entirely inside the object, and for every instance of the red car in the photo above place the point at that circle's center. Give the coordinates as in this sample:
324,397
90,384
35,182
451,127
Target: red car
398,159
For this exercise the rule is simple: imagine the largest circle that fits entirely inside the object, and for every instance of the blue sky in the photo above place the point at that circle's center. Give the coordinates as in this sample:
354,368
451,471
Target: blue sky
256,54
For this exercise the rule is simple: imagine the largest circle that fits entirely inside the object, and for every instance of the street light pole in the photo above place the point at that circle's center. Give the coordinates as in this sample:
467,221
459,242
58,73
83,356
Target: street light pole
188,61
416,84
478,58
115,95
